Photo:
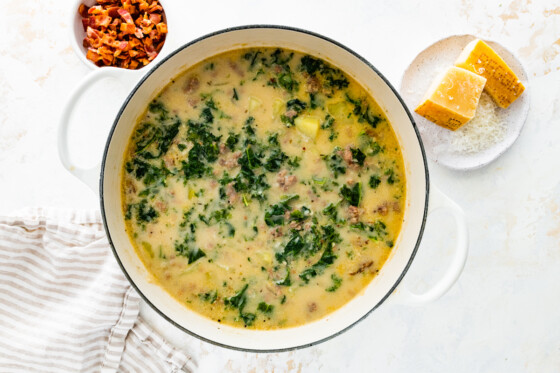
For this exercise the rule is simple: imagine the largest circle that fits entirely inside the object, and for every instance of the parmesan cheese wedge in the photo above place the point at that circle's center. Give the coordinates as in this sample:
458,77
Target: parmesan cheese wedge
452,98
501,82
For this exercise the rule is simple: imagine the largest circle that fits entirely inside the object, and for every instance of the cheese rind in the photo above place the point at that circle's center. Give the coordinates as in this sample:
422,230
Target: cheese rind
502,84
452,98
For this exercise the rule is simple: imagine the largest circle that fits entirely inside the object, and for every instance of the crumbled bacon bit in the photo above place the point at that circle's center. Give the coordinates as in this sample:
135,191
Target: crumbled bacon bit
123,33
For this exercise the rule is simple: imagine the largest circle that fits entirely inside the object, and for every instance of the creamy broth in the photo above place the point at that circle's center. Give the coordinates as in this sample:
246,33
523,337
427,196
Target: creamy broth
263,188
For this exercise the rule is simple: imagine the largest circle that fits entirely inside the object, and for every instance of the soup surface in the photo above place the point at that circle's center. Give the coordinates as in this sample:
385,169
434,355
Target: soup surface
263,188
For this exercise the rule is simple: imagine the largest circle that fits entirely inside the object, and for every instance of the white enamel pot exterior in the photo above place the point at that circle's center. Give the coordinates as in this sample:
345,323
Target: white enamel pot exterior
416,177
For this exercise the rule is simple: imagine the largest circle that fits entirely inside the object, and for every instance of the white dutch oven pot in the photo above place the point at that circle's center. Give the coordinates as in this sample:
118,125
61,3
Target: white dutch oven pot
108,180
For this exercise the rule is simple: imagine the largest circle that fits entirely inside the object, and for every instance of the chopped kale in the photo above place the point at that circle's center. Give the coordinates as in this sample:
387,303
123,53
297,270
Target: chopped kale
238,300
314,102
287,81
300,215
375,148
327,258
191,253
337,281
374,181
232,140
275,214
358,156
391,177
332,212
352,195
294,246
286,281
362,111
279,58
295,106
209,297
273,140
335,162
150,174
265,308
310,65
248,318
294,162
376,231
145,213
235,95
153,141
216,216
157,107
333,78
230,229
328,123
275,160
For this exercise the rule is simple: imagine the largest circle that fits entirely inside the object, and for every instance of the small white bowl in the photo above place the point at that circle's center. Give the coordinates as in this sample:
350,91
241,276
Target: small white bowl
78,34
437,140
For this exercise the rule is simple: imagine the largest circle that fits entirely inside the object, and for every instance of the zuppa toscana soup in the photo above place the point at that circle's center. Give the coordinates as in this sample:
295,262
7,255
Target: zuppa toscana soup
263,188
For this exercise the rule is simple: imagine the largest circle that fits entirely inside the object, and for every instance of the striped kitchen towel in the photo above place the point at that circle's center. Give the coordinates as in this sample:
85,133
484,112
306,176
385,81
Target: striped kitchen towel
65,305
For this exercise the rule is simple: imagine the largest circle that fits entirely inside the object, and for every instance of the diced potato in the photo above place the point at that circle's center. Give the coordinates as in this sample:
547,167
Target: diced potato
277,106
340,110
265,256
308,125
191,193
148,247
254,103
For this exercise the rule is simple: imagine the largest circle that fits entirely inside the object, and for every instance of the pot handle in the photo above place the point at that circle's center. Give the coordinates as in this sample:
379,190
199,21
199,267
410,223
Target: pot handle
90,176
440,201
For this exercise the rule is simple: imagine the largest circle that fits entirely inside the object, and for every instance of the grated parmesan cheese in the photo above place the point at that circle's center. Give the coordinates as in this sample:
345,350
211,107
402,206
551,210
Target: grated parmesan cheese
481,132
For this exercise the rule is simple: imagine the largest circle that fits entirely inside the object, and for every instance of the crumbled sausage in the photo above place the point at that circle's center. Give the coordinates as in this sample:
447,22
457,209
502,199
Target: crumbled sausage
312,307
169,161
231,161
223,148
236,69
130,187
193,101
313,85
285,181
346,154
276,232
353,214
297,225
231,193
161,206
362,267
290,113
191,86
382,209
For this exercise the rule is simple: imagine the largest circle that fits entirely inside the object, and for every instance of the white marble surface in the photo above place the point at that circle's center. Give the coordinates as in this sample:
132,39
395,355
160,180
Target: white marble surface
501,316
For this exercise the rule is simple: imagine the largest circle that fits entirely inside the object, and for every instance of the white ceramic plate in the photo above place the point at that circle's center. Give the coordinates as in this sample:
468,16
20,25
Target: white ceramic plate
437,140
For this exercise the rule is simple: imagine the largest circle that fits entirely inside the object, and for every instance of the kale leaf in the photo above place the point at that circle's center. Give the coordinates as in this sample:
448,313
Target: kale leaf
352,195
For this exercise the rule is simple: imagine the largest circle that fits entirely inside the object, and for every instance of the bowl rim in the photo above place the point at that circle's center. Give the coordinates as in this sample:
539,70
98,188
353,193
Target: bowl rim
171,55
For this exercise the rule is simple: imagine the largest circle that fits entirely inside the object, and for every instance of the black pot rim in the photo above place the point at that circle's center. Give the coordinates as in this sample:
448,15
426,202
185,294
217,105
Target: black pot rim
171,55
